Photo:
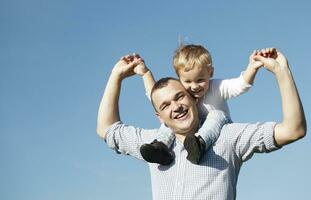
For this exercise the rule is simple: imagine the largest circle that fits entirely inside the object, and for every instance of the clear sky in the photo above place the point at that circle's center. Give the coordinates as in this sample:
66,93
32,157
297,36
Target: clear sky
56,57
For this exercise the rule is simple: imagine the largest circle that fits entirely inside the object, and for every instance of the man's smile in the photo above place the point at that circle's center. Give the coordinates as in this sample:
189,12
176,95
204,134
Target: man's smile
182,115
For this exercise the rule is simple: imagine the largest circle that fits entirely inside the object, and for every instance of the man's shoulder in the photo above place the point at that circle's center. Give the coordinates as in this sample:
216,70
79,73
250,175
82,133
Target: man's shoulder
233,130
235,125
119,126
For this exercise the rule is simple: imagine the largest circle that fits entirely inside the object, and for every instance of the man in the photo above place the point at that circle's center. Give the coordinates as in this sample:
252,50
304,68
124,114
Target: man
216,176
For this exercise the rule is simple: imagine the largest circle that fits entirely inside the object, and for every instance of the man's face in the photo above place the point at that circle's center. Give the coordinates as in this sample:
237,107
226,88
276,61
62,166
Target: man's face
176,108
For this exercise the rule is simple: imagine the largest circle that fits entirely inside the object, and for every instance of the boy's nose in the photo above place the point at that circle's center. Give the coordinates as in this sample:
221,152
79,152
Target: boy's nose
194,86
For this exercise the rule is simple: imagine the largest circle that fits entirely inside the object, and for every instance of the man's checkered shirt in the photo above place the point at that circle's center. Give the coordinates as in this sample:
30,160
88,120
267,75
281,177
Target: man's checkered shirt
215,177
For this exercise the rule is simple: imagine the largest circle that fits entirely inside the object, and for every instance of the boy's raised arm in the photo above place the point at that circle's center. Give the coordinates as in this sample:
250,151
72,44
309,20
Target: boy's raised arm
252,69
146,75
233,87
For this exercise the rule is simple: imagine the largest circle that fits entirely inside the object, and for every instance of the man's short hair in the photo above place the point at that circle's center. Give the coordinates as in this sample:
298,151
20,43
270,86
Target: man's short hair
163,82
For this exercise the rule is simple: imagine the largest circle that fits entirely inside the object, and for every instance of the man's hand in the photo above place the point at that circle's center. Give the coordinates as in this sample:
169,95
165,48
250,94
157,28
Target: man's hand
126,65
272,59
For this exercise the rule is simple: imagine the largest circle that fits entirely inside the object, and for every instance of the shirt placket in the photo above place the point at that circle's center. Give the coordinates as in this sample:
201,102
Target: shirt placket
180,174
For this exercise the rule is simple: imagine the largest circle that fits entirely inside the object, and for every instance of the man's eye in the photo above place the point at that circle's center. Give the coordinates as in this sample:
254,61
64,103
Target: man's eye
164,107
180,97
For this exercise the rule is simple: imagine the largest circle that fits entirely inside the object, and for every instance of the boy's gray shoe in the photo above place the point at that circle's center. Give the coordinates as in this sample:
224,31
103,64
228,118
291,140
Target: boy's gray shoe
195,147
157,152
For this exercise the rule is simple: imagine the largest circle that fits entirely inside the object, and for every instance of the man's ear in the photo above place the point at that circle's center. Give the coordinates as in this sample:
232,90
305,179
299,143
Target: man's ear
211,72
160,119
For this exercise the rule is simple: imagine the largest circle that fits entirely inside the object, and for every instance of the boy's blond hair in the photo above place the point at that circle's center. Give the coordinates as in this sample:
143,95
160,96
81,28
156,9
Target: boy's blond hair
189,56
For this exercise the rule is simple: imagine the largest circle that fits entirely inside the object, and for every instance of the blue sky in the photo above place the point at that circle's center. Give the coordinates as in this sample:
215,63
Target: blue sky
56,57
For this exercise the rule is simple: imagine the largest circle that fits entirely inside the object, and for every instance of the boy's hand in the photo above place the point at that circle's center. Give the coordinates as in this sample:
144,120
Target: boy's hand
272,59
254,64
141,69
125,66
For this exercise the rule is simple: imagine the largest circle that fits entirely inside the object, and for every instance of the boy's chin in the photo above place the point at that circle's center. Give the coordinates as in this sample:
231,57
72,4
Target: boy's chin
197,96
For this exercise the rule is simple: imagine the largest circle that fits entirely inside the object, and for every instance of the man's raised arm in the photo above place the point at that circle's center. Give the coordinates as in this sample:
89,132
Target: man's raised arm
293,126
108,112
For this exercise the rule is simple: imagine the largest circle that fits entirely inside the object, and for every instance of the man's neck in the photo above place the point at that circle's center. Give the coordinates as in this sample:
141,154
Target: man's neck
181,136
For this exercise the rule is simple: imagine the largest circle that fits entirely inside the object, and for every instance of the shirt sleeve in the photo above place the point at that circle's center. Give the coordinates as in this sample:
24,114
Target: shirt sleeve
126,139
229,88
255,138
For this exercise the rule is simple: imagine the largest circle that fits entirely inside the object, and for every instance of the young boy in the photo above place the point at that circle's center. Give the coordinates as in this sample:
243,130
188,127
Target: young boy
193,65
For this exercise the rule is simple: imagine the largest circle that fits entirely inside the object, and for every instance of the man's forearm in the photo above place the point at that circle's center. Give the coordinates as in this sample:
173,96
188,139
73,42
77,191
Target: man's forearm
293,125
108,112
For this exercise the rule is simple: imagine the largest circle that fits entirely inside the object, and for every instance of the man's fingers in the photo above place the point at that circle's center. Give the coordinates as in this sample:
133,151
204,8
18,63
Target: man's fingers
135,55
132,60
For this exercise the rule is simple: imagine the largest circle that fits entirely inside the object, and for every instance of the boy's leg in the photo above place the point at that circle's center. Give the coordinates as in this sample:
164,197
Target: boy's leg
210,130
165,135
158,151
197,144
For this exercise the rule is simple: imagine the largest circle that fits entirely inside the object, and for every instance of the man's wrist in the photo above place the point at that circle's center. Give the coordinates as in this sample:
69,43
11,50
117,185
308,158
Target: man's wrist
282,72
115,74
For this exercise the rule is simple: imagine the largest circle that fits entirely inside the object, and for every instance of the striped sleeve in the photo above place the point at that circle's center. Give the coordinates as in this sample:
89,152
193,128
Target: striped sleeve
126,139
254,138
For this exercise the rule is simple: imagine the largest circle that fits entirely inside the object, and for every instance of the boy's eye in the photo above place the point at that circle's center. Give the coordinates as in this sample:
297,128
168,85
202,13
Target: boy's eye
201,80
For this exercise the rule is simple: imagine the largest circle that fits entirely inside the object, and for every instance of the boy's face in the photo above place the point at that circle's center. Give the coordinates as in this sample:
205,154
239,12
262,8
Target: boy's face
196,80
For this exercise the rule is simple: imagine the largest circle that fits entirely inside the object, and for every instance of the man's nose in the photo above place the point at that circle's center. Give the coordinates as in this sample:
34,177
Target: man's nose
176,106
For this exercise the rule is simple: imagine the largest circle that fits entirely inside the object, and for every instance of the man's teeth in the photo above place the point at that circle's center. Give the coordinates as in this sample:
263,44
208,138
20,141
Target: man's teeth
181,115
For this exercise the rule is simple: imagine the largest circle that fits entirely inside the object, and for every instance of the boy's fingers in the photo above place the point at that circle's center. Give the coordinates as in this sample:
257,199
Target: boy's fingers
134,63
257,64
253,53
251,57
261,59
